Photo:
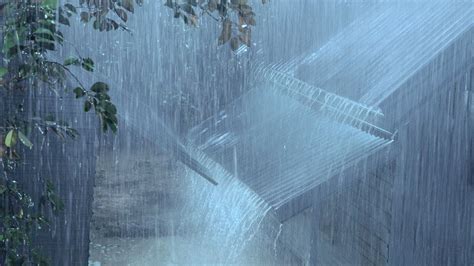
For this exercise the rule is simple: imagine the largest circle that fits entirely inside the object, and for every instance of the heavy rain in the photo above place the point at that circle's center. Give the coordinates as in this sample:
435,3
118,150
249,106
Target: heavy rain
237,132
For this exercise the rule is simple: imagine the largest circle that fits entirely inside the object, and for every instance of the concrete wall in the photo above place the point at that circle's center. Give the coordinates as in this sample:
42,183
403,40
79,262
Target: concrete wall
433,192
412,203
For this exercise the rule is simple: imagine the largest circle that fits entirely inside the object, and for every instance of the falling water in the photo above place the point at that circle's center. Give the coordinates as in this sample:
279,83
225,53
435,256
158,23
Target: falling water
223,218
328,139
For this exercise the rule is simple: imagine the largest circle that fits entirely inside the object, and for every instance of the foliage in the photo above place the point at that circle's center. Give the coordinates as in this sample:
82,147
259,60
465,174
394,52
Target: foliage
235,33
102,14
19,219
31,30
18,213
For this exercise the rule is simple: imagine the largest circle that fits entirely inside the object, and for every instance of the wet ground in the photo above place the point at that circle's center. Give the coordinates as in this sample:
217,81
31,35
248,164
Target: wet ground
137,203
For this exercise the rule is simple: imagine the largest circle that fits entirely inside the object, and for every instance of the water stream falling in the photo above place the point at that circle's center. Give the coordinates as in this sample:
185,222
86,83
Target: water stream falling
298,131
275,137
223,218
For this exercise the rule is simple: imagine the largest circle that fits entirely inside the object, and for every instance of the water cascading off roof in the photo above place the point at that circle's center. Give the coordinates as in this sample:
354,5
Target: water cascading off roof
284,137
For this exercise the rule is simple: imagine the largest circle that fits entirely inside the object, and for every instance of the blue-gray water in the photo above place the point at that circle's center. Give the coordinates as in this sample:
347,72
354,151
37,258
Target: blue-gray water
343,136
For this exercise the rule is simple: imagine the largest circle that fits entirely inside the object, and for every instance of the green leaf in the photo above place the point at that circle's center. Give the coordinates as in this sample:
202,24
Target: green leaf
111,24
87,106
72,133
122,14
111,124
3,71
72,61
80,92
9,41
104,126
110,108
103,97
44,31
24,139
10,139
88,64
70,8
44,40
100,87
63,20
59,36
50,3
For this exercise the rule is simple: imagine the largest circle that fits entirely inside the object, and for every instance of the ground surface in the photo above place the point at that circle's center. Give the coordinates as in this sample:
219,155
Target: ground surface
137,203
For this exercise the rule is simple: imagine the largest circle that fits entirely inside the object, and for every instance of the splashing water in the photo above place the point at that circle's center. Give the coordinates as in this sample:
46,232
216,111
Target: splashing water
223,218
